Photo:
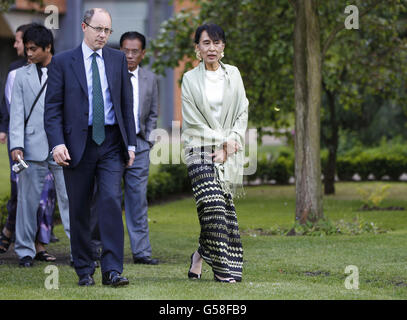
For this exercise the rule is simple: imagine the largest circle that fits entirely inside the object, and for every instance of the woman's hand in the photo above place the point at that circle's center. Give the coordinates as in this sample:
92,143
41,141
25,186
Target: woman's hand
219,156
231,147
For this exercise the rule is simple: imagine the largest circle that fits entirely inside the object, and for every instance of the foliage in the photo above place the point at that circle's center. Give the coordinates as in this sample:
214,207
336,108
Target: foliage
323,227
168,180
373,197
389,158
179,175
6,4
365,62
363,76
278,166
380,118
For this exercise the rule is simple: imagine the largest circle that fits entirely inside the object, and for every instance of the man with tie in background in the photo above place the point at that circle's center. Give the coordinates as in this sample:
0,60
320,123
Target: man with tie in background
90,127
145,99
28,141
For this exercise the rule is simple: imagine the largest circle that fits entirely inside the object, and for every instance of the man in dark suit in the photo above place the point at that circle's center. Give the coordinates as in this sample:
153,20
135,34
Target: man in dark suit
90,128
145,110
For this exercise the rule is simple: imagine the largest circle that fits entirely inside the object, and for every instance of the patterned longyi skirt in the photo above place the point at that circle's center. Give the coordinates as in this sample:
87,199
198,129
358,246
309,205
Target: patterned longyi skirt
219,242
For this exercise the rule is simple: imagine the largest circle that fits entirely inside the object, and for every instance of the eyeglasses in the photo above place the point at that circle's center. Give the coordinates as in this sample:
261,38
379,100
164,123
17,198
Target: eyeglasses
100,29
134,52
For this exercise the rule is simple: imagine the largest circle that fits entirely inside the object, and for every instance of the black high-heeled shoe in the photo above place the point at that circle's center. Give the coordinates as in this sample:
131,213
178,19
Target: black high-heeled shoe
192,275
224,280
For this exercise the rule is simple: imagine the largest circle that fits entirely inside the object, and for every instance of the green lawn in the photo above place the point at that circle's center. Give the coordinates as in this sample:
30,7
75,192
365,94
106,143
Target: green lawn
275,267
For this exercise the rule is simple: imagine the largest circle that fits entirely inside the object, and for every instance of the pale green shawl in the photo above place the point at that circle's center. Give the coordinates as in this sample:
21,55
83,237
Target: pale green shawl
200,128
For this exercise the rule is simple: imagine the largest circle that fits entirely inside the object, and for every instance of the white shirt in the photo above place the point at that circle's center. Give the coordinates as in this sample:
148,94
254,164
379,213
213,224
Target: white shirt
9,87
214,83
44,75
136,100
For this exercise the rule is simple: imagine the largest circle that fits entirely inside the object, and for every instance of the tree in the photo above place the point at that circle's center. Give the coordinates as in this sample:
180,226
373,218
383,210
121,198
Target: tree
360,64
307,83
5,4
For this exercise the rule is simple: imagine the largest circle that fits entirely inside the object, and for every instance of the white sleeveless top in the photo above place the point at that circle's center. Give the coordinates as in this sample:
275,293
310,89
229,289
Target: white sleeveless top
214,82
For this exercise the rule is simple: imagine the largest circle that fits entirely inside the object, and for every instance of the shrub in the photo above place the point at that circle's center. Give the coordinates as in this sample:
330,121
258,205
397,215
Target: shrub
179,175
281,169
388,159
373,197
170,179
321,228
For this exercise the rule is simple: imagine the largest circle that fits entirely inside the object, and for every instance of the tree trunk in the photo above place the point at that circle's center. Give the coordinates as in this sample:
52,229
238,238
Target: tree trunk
332,142
308,89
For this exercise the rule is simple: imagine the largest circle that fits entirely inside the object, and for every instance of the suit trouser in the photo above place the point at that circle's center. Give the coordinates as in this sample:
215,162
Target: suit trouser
135,200
12,202
30,185
105,162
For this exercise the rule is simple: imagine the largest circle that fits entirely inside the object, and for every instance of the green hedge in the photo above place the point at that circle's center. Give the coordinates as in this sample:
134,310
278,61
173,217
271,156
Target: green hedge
278,167
366,163
170,179
385,160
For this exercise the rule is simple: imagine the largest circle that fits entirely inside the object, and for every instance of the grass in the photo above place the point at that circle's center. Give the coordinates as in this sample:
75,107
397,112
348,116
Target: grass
275,267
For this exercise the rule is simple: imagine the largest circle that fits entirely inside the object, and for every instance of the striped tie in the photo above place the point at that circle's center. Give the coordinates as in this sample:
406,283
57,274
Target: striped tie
98,132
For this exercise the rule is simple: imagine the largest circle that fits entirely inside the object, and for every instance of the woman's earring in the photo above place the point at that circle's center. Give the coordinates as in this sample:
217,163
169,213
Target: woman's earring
222,55
198,55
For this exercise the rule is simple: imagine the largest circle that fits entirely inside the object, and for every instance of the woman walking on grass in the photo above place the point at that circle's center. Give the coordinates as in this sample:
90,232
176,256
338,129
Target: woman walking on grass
215,113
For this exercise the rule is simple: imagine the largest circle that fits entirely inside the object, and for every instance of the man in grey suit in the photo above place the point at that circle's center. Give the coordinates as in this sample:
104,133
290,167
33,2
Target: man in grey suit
28,141
145,99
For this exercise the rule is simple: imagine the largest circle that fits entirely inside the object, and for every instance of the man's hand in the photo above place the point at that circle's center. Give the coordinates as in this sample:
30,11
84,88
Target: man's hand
61,155
3,137
15,154
220,156
132,156
231,146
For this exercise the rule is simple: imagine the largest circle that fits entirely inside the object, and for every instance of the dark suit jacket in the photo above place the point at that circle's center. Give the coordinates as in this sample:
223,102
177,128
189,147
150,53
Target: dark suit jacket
67,106
4,113
148,103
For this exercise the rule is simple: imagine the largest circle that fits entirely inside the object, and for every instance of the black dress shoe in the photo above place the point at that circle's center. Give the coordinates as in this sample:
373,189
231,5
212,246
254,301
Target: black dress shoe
114,279
86,280
26,262
145,260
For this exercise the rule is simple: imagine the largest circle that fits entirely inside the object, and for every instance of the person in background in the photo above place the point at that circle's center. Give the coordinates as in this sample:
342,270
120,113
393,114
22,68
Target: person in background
145,101
29,142
46,207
